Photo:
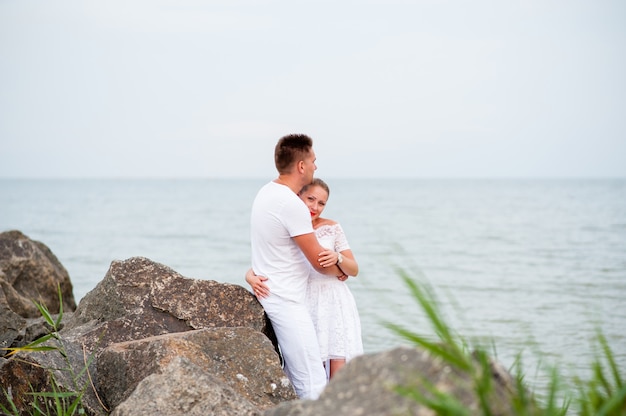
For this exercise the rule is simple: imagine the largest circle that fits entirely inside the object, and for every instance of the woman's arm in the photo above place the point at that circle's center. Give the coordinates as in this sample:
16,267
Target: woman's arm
348,264
259,288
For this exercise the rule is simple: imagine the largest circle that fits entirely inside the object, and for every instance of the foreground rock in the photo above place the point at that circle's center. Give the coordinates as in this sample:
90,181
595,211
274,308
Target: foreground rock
366,386
239,361
137,299
29,272
183,388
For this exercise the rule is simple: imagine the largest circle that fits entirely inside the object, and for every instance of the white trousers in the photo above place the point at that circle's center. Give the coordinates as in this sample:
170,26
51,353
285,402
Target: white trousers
298,344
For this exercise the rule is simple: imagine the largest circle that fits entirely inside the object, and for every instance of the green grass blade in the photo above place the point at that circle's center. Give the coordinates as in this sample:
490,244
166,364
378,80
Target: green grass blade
598,373
60,317
59,403
482,382
615,403
13,410
41,340
436,349
427,302
38,410
74,406
441,403
33,346
43,310
608,354
57,394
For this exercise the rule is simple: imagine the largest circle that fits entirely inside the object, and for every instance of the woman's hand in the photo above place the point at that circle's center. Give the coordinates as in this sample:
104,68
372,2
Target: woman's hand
328,258
259,288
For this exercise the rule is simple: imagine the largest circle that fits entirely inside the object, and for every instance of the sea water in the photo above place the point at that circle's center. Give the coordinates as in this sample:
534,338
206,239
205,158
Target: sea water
530,268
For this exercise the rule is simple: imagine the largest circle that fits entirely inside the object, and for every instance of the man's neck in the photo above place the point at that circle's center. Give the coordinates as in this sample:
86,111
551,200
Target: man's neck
289,181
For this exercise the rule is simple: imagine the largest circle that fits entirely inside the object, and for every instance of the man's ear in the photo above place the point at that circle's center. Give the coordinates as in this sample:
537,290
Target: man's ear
301,166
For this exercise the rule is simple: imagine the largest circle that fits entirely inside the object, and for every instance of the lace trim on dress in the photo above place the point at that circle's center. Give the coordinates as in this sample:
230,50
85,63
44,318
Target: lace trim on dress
334,230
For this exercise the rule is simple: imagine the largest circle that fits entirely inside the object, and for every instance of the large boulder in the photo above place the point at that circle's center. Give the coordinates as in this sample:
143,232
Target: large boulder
242,359
184,388
29,272
140,298
367,386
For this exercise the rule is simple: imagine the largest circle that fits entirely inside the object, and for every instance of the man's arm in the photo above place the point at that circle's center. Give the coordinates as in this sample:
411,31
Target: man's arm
311,248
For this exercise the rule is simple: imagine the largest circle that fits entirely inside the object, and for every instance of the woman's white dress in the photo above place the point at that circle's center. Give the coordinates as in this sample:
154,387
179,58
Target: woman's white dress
332,306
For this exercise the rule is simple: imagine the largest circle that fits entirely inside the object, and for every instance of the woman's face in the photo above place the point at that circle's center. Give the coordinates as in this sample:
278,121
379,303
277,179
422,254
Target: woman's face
315,198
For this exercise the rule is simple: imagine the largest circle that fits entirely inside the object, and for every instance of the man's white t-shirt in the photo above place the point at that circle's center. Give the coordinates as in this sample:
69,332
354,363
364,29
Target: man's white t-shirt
278,214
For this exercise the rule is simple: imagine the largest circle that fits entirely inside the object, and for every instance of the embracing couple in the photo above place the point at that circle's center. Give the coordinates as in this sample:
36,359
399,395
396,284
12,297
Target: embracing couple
300,262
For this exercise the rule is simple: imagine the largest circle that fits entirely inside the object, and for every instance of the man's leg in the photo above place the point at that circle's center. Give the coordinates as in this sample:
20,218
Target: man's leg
298,343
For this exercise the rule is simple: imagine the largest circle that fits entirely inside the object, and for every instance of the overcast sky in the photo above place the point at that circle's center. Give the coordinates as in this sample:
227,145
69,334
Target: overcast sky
424,88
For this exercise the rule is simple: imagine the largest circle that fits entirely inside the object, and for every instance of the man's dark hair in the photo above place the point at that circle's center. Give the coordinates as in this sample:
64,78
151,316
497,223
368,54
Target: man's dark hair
291,149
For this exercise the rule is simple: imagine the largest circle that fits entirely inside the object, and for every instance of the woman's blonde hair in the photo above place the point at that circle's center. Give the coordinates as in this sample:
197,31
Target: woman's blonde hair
316,182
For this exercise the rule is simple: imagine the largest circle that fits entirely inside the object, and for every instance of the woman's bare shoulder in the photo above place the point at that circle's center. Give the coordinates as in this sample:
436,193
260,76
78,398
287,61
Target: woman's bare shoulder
326,221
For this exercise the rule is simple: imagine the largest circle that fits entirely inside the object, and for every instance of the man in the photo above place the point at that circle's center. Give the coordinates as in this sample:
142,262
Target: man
284,247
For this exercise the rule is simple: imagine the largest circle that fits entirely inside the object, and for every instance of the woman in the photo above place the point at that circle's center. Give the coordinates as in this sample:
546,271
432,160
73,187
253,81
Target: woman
329,300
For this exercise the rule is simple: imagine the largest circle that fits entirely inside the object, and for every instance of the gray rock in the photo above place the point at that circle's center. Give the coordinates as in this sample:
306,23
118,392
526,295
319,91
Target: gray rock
241,358
139,298
366,386
185,389
29,272
12,325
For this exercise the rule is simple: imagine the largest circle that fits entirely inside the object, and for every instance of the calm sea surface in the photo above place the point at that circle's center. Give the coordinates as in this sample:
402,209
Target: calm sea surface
534,266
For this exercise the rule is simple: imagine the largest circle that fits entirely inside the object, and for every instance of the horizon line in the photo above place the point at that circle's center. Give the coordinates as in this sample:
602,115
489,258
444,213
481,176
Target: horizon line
333,177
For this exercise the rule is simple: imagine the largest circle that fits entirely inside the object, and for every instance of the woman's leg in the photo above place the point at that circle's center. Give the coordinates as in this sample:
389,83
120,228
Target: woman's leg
335,365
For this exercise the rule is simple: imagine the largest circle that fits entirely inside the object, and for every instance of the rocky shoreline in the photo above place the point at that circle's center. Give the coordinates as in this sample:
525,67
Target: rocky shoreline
156,342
